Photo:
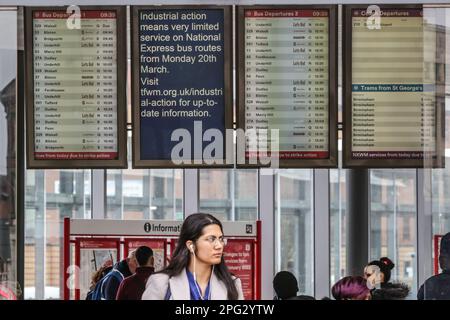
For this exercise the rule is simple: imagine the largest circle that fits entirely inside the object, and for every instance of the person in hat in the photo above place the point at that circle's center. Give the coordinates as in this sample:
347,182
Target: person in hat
438,287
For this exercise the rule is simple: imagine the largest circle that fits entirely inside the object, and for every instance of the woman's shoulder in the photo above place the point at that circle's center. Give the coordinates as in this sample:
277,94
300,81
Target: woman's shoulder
156,287
158,277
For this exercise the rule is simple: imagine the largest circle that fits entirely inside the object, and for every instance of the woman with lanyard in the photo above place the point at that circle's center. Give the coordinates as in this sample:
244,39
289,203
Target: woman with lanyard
197,270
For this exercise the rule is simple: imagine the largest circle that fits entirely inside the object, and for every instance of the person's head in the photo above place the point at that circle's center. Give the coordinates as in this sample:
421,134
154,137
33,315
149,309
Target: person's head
379,271
201,238
144,256
101,272
131,261
285,285
444,252
351,288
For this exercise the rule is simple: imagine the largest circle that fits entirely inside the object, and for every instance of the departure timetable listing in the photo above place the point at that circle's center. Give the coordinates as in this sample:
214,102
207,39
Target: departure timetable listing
393,94
287,81
75,86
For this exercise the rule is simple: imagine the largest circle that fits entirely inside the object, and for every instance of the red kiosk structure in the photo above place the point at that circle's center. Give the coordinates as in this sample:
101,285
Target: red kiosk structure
89,244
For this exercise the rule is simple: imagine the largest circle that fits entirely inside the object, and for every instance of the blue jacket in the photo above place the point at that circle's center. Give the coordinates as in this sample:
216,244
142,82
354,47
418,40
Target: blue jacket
111,285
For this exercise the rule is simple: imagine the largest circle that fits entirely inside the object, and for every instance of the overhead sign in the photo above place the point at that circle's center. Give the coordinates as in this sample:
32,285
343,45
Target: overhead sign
109,227
393,77
182,85
287,68
76,105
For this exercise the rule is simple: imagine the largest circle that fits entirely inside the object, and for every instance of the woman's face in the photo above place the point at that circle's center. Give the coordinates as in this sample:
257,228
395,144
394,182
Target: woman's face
209,247
374,276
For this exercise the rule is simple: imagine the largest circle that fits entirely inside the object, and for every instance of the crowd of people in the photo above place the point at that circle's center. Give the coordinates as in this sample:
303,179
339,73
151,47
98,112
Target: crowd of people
197,271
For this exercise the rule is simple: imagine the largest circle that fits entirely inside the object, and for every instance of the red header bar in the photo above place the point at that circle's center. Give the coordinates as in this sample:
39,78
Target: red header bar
98,244
388,13
75,155
89,14
290,154
285,13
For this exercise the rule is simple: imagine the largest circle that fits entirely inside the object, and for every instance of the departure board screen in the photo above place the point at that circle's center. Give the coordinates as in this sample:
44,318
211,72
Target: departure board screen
393,93
75,101
287,84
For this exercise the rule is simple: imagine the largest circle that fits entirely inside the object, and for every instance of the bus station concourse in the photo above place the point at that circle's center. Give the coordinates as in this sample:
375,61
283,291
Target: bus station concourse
224,150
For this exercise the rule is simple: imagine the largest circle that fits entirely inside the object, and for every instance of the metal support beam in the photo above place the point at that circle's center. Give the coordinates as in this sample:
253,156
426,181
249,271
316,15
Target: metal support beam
424,259
267,216
98,194
357,220
191,192
321,233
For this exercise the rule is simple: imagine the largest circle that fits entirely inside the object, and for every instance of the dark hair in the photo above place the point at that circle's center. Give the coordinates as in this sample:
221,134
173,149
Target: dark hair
386,265
285,285
142,254
350,288
192,229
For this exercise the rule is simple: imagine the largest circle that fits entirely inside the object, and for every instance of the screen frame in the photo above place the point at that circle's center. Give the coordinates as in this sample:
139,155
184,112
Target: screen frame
332,160
140,163
348,161
121,57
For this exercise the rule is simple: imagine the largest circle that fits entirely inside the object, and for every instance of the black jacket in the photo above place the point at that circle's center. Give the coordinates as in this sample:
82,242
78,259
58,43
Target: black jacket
391,291
436,287
112,284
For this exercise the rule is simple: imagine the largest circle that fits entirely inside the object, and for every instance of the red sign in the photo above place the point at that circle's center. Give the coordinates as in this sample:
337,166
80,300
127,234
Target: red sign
152,243
239,258
157,245
437,244
75,155
91,14
98,244
285,13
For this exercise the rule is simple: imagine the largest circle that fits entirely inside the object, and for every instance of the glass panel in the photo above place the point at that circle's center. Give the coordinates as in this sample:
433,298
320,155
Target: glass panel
393,220
50,196
229,194
9,288
337,225
145,194
294,231
441,177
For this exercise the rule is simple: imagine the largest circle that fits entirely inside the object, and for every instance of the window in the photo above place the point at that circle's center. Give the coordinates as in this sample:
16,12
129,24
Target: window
229,194
45,209
337,225
389,216
8,147
145,194
294,232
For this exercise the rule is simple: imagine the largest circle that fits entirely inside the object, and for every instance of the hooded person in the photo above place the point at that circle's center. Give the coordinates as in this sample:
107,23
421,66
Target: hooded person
378,275
437,287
